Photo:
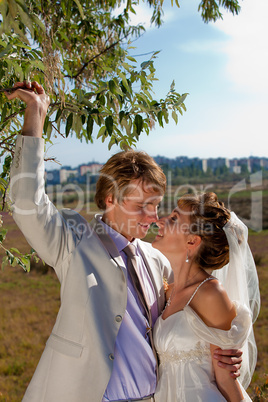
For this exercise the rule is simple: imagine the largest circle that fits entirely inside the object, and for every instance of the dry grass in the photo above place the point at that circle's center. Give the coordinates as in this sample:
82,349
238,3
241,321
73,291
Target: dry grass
259,385
29,304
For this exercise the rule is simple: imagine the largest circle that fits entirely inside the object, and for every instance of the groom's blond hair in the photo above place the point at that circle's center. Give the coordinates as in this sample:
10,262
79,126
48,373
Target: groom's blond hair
123,168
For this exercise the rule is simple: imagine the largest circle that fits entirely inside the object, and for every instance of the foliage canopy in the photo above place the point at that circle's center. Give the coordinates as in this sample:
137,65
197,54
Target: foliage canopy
79,50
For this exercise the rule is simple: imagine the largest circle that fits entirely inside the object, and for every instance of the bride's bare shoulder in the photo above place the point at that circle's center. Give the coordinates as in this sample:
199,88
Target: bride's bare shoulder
213,305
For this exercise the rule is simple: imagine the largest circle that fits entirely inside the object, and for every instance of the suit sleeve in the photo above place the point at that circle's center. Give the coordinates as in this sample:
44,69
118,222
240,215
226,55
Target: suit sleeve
51,235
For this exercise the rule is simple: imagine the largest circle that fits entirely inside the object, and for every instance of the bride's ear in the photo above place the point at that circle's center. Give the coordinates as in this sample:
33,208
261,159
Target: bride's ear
193,242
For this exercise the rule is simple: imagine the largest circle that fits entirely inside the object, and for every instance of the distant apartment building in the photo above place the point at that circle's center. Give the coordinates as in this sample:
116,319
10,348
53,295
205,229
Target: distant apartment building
52,176
94,168
235,165
65,174
204,165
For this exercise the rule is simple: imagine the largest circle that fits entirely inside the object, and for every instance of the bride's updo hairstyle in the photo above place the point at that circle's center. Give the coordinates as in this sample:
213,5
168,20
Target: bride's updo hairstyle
207,219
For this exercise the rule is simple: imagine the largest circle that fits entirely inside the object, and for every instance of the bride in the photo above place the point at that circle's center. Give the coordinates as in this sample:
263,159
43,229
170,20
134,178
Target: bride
201,315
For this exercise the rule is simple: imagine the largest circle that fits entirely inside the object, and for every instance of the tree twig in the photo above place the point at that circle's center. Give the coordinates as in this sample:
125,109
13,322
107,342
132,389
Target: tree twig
58,131
95,57
8,89
13,115
4,196
7,139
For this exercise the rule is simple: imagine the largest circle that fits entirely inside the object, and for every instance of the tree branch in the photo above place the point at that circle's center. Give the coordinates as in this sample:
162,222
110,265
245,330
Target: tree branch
95,57
13,115
7,139
8,149
55,128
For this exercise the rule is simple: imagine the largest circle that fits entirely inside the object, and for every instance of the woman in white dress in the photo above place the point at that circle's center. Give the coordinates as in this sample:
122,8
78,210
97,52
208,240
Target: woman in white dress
201,236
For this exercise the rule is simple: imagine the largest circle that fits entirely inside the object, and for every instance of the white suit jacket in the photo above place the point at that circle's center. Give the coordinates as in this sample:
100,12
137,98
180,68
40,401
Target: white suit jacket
77,361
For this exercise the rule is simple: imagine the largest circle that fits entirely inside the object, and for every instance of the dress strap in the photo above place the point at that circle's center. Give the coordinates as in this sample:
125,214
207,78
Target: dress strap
200,284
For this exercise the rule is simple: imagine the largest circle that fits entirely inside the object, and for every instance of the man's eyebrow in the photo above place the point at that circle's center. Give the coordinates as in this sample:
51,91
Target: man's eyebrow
148,202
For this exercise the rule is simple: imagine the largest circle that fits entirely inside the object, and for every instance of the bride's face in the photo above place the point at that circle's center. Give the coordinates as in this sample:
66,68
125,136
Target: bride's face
173,233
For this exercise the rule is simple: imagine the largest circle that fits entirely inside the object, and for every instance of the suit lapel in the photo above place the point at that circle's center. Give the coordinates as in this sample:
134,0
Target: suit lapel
111,248
108,243
152,276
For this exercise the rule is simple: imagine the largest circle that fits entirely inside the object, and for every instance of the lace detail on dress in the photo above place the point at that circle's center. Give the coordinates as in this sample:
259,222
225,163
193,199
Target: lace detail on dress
197,354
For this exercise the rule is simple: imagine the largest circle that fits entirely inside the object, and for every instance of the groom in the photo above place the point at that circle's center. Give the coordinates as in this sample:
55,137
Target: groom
100,348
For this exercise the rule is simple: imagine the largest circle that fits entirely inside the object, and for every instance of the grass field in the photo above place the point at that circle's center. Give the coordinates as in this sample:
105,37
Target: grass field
29,304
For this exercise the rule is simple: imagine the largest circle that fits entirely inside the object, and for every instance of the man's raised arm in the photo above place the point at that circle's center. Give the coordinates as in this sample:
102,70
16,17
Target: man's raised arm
49,232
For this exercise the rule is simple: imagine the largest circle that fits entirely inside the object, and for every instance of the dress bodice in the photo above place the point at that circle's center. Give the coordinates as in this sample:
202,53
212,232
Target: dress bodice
168,335
182,342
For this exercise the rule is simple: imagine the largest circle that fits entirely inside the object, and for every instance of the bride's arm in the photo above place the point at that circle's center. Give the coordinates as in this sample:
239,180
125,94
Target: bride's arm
228,386
215,308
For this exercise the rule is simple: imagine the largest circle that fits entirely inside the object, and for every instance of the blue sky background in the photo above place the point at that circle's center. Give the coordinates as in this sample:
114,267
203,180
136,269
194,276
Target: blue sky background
223,66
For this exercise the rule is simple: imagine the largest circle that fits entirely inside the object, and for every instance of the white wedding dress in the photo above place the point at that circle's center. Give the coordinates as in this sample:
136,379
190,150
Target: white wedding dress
182,342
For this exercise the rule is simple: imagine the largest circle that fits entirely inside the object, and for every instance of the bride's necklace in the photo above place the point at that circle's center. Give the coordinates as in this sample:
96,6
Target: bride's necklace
169,300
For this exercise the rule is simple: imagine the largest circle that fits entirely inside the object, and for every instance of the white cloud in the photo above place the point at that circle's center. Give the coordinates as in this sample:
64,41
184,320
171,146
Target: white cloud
247,48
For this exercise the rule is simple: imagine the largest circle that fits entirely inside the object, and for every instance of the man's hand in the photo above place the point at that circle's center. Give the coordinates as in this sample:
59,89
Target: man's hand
37,103
230,360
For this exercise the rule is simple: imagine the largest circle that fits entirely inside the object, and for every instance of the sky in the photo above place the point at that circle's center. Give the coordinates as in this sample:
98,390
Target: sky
223,66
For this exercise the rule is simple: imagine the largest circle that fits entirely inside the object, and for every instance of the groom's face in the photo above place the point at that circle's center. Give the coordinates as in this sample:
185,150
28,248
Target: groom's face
133,214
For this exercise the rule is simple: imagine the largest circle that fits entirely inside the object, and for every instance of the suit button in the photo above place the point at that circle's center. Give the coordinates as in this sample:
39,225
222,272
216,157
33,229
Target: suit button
111,356
118,318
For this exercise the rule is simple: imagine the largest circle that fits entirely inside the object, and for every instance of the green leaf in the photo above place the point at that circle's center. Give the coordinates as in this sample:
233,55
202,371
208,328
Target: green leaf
4,262
175,116
121,115
101,131
4,112
111,143
131,59
127,124
160,118
126,66
69,124
109,122
181,100
112,86
172,86
25,263
14,250
10,256
146,64
80,8
138,121
49,130
59,112
165,114
6,51
77,125
46,124
90,123
3,233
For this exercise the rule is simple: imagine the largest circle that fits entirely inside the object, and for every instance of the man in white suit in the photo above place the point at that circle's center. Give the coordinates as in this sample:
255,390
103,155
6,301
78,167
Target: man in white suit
100,348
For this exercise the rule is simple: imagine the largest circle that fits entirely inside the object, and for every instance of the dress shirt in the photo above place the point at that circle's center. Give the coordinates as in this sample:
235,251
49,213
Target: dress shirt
134,369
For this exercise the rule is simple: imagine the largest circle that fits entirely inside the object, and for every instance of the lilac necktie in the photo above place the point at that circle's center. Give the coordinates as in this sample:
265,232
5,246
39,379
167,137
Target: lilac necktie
132,268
